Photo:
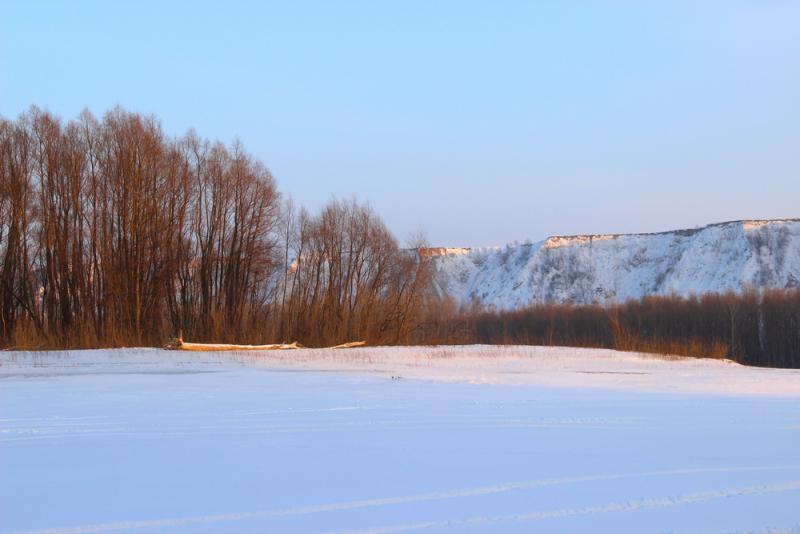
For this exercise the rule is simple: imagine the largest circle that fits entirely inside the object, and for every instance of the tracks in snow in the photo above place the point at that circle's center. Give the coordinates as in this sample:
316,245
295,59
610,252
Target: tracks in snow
642,504
650,503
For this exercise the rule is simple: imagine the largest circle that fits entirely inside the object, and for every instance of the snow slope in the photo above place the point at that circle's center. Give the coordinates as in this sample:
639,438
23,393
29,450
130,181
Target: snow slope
470,439
607,268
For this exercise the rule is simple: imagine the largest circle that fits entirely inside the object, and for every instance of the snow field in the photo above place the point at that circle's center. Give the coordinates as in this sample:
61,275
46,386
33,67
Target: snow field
470,439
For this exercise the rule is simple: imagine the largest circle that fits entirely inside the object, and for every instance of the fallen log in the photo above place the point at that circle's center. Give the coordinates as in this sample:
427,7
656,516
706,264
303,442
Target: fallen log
179,344
350,345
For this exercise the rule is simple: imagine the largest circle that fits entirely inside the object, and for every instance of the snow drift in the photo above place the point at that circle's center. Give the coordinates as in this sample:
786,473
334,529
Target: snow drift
608,268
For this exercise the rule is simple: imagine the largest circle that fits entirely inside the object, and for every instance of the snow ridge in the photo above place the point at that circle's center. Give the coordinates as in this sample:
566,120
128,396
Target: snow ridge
607,268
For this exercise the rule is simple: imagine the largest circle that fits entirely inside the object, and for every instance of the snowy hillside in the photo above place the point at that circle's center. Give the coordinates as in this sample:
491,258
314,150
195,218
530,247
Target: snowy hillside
607,268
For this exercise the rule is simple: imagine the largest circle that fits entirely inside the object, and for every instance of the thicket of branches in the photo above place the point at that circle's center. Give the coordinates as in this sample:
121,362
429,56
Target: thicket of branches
755,328
349,278
112,233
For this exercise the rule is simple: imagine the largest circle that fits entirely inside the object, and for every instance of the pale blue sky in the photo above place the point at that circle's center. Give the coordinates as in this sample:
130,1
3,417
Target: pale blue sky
479,122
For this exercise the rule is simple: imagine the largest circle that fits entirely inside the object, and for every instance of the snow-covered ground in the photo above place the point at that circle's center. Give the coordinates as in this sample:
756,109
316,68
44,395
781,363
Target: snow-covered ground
468,439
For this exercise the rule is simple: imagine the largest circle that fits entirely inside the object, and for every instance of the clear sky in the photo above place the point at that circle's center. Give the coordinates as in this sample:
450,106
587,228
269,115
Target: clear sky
480,123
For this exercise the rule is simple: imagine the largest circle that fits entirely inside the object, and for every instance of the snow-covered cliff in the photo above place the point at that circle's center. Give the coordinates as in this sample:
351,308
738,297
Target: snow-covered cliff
607,268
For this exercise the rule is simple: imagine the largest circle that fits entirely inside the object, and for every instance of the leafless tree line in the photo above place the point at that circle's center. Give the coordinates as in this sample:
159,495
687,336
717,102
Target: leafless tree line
112,233
755,328
349,279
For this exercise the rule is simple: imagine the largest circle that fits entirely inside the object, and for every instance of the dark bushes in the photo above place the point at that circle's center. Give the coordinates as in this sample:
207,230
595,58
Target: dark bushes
751,328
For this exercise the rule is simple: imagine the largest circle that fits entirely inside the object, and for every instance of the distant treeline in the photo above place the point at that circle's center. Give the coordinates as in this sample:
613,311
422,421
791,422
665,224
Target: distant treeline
754,328
112,233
